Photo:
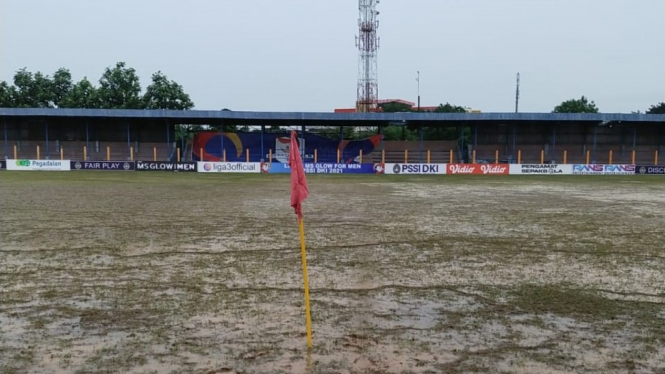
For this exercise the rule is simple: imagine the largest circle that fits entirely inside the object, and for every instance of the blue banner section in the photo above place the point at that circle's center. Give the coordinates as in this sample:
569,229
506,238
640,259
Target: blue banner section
650,169
236,145
103,165
324,168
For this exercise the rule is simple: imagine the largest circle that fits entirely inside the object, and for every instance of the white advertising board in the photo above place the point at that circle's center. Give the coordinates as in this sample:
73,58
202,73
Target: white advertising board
415,169
228,167
39,165
537,169
600,169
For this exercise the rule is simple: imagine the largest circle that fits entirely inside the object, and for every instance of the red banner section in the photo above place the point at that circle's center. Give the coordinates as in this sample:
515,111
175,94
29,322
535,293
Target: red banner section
479,169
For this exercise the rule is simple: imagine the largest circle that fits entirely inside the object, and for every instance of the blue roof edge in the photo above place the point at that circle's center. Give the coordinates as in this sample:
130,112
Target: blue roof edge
332,117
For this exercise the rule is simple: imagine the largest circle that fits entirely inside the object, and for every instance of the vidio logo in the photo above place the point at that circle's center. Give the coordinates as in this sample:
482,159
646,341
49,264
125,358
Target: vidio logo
23,163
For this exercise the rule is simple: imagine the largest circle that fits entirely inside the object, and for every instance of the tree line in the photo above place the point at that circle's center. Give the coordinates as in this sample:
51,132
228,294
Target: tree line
581,105
118,88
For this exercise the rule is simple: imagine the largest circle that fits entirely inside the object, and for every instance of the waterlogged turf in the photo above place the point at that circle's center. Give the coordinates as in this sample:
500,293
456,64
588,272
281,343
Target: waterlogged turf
189,273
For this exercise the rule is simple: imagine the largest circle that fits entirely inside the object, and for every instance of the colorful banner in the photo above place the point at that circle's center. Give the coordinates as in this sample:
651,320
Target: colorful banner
594,169
545,169
38,165
321,168
103,165
653,169
236,145
415,168
166,166
228,167
479,169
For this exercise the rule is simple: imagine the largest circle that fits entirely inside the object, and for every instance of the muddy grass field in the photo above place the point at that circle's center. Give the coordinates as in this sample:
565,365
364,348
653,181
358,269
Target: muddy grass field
189,273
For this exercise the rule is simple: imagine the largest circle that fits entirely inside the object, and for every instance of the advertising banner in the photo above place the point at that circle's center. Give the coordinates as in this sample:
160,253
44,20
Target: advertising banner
535,169
415,168
3,164
479,169
39,165
594,169
653,169
228,167
210,144
103,165
165,166
323,168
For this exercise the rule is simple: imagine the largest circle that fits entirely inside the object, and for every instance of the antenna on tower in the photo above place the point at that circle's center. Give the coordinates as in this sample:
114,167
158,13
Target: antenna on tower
368,44
517,95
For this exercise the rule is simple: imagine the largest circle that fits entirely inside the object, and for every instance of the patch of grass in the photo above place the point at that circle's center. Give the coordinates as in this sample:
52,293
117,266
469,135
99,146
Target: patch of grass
569,301
564,300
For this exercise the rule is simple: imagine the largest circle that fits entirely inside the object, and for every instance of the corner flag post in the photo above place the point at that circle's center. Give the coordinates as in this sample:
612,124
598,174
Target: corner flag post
306,280
299,192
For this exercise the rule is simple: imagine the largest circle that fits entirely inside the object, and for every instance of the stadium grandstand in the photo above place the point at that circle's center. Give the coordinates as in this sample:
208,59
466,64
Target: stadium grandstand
153,134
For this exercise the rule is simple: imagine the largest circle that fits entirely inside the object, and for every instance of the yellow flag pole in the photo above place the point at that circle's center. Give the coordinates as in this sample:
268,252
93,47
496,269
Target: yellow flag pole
306,280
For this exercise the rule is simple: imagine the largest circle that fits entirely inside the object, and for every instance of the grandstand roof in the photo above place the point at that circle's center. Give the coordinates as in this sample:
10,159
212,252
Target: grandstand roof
324,119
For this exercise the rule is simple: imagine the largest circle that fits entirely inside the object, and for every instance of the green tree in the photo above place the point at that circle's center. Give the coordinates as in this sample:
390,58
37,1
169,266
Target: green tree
25,89
82,95
399,133
439,133
395,107
61,85
7,94
582,105
449,108
657,109
119,88
33,91
165,94
447,133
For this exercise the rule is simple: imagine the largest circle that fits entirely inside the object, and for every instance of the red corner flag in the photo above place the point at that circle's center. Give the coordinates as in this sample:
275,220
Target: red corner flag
299,190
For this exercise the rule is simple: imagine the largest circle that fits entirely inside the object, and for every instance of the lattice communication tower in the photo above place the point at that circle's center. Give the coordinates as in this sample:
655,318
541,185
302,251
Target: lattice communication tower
368,45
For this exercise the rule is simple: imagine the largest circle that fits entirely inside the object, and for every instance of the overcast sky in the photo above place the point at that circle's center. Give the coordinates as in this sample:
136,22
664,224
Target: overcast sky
300,55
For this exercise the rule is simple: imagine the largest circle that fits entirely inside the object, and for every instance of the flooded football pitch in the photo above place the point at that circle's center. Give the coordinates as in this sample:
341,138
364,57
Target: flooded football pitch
191,273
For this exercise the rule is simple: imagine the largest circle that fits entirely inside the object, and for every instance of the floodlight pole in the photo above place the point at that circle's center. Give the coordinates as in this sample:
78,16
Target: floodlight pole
517,95
418,80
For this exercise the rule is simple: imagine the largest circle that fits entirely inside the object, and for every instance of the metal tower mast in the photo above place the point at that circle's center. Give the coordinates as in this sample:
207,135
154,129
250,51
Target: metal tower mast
368,44
517,95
